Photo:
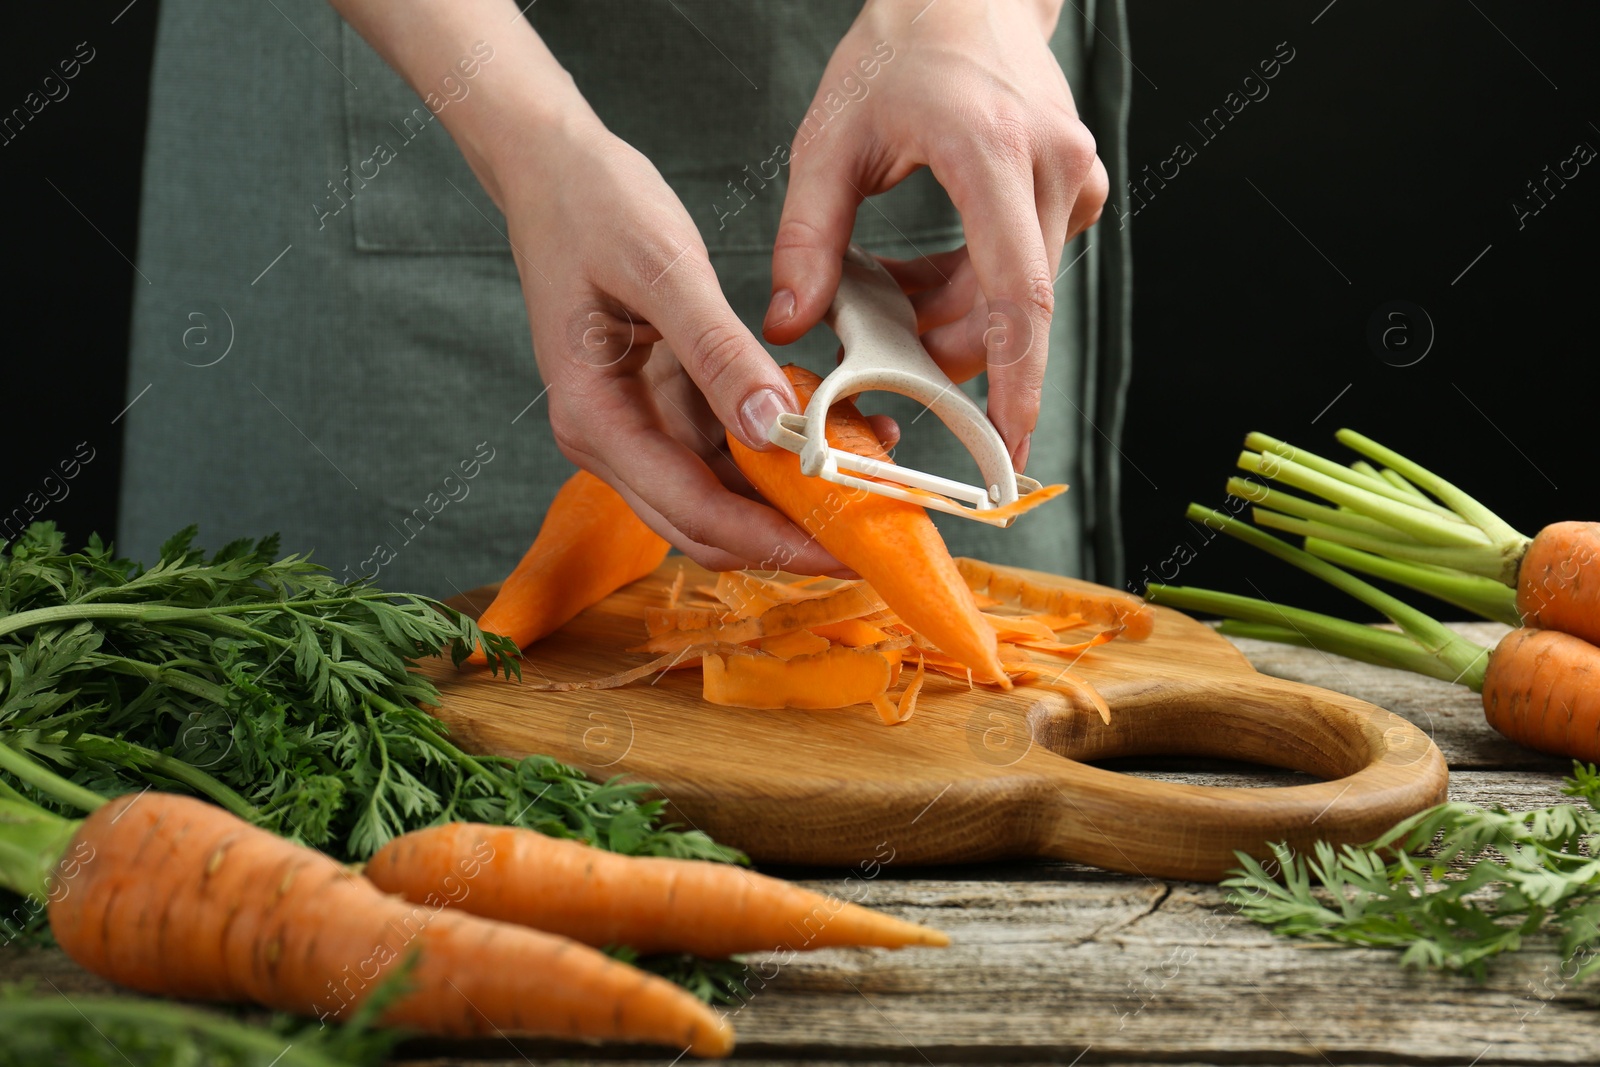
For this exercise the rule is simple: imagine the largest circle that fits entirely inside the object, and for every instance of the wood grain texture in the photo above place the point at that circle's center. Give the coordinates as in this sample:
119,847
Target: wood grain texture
977,774
1049,958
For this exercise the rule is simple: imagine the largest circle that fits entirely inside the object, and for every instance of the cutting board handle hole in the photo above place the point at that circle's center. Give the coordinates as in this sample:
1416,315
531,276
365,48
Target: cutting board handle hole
1264,722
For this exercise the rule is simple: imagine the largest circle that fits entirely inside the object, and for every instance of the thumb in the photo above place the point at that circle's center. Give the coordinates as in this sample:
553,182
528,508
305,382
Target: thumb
819,212
738,378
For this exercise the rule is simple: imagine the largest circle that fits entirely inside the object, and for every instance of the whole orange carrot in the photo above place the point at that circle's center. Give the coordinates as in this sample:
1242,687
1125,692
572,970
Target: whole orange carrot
890,543
1542,689
590,545
1558,580
601,898
172,896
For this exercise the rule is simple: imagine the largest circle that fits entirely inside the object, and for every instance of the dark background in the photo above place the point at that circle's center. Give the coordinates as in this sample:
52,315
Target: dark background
1385,159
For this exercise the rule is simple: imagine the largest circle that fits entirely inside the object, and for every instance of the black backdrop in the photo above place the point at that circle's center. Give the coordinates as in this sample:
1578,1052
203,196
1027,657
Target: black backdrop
1384,168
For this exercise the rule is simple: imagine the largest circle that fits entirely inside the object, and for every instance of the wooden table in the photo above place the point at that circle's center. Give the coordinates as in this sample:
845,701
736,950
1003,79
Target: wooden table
1057,963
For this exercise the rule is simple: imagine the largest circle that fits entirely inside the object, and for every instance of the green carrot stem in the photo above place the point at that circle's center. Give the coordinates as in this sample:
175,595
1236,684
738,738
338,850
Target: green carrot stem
1494,527
48,782
1398,480
1486,560
431,730
1312,629
1260,442
1428,632
161,765
1404,516
32,841
215,618
1361,466
1288,635
1479,595
166,673
1289,504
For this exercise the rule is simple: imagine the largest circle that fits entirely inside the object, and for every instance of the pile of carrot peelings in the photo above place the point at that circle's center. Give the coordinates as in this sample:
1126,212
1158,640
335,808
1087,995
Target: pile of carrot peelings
818,643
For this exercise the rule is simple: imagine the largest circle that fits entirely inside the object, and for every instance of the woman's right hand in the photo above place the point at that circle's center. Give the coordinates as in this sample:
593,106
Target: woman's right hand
611,263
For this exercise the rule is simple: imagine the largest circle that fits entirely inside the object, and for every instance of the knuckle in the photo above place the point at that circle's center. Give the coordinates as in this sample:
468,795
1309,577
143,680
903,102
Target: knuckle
1039,292
692,526
1096,188
718,347
802,235
1076,146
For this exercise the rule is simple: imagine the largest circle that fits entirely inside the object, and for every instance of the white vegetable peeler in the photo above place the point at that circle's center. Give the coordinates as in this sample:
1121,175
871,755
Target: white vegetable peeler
877,326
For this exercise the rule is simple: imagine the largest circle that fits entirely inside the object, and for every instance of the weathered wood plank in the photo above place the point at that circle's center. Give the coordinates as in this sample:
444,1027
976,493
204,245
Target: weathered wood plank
1049,959
1043,970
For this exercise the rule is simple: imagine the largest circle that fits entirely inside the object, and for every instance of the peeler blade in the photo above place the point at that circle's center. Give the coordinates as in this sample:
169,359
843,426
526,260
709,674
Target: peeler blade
877,327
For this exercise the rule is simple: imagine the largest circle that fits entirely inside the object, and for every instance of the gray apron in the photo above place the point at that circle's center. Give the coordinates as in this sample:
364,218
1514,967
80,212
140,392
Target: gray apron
333,344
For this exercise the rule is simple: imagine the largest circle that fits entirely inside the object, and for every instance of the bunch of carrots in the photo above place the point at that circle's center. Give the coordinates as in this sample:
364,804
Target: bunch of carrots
1393,519
761,642
501,927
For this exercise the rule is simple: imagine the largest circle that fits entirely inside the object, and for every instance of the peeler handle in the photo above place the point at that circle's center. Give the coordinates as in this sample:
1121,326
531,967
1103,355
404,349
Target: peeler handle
877,326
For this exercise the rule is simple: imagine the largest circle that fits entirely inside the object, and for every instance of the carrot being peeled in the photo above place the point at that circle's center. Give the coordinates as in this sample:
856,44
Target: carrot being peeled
649,904
890,543
590,545
172,896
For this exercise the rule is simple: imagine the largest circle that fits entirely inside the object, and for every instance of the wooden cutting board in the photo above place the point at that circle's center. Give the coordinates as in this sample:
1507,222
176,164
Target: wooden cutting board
976,774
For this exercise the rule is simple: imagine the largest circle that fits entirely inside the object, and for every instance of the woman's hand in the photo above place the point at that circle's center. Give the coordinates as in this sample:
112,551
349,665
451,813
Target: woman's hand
611,264
973,92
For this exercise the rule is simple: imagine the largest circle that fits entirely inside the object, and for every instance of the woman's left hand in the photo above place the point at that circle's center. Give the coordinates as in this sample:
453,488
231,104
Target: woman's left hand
972,91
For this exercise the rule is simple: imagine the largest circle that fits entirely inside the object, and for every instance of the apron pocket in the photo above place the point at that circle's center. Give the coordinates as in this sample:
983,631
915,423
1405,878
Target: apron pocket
405,183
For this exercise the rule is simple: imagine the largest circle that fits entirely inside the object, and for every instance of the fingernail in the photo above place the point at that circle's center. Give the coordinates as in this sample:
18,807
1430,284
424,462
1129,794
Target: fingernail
1019,455
756,416
781,310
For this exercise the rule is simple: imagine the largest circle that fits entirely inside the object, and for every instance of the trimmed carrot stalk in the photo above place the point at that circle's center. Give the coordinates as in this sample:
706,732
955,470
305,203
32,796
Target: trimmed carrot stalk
590,545
1555,576
601,898
172,896
1558,582
890,543
1542,689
